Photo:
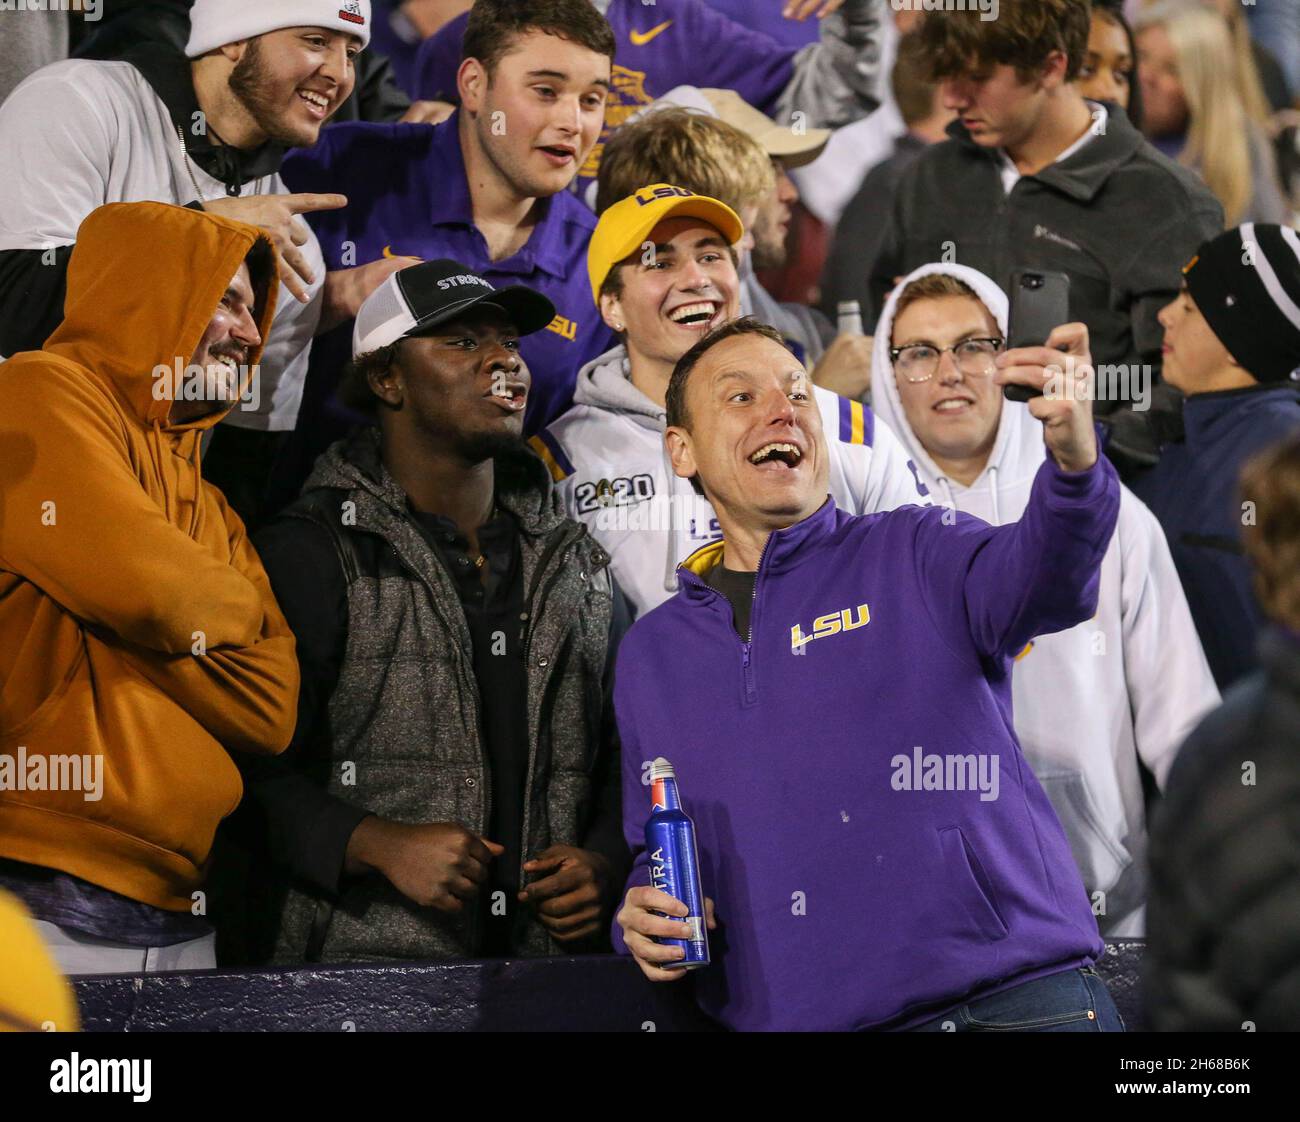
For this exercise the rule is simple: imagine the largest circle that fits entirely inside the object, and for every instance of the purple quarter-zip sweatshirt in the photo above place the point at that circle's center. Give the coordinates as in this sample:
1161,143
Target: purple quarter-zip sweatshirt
877,847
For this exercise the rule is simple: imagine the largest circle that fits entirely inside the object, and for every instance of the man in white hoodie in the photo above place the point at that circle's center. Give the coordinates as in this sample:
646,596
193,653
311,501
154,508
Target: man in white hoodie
663,273
1090,702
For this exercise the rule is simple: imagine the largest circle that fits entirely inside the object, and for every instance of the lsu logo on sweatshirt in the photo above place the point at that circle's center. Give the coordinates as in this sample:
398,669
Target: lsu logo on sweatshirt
833,623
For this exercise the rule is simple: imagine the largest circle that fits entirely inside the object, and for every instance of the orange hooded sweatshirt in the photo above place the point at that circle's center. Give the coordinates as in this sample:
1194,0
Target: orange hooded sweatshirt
136,621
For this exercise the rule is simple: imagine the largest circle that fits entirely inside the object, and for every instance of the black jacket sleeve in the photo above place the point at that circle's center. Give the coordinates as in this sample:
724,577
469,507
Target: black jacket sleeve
605,833
1215,875
33,283
377,95
862,233
887,262
301,826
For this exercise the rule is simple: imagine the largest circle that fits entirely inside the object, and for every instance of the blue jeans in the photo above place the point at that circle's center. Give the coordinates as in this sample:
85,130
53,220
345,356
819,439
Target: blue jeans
1072,1001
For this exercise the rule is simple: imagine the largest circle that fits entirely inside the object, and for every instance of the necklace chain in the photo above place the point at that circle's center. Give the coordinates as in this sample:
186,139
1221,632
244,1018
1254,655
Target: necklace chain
185,159
189,168
481,559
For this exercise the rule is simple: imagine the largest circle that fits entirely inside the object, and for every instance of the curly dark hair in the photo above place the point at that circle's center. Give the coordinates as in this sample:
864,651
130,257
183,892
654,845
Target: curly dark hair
1025,32
494,24
354,383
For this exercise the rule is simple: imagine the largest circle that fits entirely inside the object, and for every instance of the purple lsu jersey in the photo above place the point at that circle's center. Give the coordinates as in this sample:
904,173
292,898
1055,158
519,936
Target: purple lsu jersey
408,196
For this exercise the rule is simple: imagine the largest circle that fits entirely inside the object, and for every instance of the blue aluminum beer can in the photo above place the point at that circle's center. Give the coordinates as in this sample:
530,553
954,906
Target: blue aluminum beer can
675,862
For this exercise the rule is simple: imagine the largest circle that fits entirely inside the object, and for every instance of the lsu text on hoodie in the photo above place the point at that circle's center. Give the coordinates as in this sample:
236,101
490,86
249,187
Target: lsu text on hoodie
1128,684
137,624
611,468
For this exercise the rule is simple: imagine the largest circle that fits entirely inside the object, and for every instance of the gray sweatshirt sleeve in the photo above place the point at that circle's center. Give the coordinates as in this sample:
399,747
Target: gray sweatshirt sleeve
835,79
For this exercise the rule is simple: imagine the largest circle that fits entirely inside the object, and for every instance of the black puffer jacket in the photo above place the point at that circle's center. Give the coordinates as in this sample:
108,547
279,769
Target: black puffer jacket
1224,914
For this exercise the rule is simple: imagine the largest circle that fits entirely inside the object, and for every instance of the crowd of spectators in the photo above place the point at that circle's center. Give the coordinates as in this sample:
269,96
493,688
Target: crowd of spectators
419,416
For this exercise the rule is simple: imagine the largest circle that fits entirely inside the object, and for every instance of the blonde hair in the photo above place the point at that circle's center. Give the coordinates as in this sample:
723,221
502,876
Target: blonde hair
1218,140
687,147
1249,84
932,286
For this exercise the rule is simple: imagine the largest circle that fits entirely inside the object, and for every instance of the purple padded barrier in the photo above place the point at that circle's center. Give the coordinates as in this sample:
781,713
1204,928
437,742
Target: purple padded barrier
593,993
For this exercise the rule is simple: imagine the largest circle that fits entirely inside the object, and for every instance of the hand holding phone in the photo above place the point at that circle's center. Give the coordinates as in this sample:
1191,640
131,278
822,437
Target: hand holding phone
1040,302
1061,375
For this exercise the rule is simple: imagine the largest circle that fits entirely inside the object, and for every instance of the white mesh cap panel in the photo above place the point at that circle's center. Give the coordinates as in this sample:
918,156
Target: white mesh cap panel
382,319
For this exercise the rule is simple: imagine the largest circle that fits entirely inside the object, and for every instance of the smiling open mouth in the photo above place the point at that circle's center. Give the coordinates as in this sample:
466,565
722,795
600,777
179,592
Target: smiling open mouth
318,102
787,454
953,405
694,315
228,364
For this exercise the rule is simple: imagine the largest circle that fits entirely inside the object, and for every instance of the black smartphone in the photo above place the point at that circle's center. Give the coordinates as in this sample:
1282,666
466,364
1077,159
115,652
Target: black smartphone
1040,303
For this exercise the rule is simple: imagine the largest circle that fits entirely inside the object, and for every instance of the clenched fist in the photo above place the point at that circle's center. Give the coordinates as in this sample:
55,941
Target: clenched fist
571,897
441,865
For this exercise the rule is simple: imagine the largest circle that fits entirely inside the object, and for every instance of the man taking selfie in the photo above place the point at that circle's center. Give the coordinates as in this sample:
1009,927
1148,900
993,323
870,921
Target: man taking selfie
834,693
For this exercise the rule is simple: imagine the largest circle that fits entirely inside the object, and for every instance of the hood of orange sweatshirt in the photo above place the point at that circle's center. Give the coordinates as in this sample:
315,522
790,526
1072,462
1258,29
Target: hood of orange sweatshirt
143,284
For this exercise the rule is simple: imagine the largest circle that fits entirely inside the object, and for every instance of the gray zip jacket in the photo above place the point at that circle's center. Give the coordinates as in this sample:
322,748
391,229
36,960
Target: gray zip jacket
401,735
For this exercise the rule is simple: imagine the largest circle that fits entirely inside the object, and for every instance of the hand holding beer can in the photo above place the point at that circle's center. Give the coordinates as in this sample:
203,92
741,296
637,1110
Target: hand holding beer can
675,862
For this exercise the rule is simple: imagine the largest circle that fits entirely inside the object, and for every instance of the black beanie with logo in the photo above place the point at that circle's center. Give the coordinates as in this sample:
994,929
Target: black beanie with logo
1246,283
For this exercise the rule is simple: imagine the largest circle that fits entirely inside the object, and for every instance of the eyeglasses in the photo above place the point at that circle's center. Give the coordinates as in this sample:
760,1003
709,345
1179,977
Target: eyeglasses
919,362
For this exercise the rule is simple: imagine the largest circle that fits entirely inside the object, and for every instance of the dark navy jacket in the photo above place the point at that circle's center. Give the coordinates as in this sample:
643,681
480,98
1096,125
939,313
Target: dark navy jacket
1194,493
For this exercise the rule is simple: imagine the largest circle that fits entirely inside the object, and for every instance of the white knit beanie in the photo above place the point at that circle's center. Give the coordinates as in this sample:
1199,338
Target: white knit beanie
214,23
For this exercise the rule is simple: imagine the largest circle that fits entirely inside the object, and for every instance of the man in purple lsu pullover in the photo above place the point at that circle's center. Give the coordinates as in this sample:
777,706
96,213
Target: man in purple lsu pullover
834,694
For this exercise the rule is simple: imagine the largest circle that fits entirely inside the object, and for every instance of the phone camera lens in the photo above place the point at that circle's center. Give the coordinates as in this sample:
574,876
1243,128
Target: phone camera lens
1033,280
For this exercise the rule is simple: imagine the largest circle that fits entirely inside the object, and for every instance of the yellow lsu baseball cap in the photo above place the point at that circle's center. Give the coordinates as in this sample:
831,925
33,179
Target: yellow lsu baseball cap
625,226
